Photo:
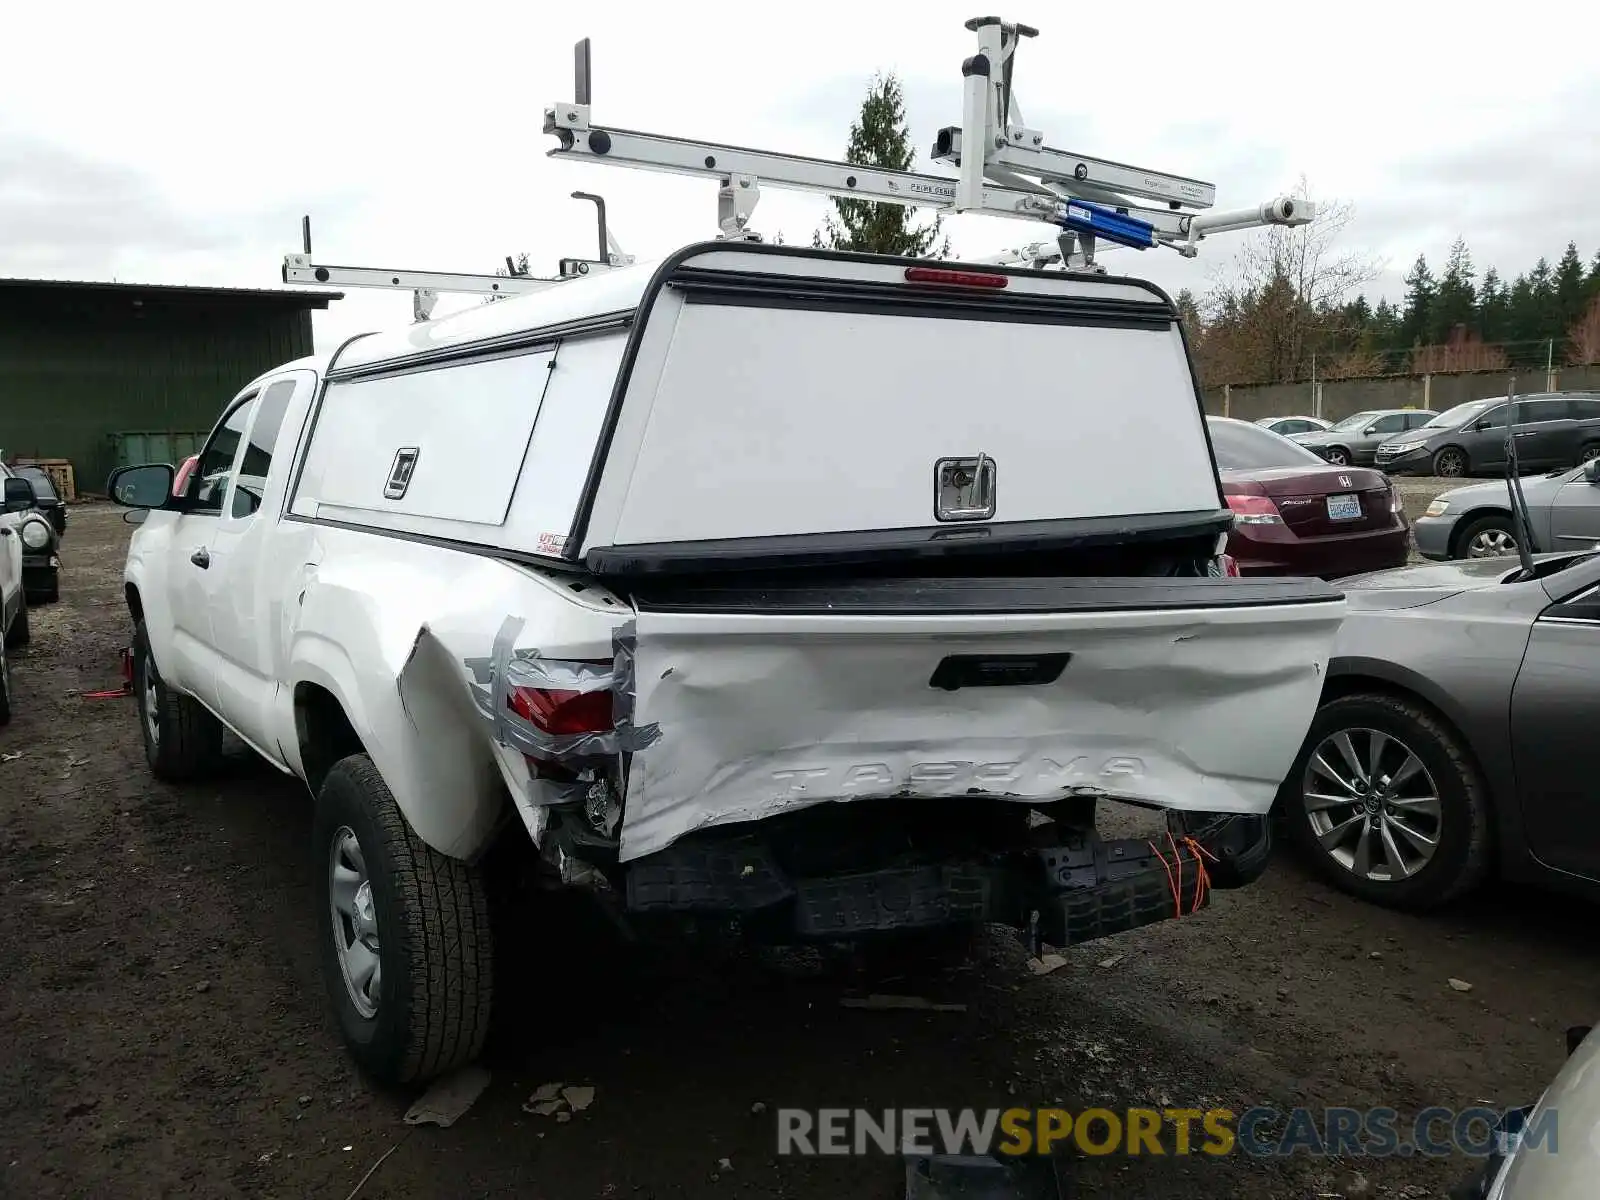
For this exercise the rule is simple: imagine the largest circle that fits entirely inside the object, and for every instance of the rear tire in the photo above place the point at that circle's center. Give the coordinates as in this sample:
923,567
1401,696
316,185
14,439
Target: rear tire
50,593
19,634
1488,537
5,687
1457,822
1338,456
182,739
406,948
1450,463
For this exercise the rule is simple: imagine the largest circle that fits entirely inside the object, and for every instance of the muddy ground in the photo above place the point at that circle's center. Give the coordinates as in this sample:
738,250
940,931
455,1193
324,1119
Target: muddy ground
164,1031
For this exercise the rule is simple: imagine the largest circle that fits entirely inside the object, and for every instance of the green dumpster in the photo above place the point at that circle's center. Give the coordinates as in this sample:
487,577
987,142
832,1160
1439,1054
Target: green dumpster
130,448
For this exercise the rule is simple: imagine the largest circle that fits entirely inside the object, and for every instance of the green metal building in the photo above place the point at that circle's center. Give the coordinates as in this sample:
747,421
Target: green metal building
83,364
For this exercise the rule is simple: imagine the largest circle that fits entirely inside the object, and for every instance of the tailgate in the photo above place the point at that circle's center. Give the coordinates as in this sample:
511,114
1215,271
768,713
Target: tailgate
1185,693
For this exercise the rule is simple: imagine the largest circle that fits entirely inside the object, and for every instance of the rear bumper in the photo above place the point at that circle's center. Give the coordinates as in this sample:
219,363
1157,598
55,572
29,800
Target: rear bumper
1327,557
1082,887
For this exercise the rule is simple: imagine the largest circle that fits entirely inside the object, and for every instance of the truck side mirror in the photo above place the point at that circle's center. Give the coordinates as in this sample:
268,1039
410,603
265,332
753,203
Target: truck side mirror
148,486
19,495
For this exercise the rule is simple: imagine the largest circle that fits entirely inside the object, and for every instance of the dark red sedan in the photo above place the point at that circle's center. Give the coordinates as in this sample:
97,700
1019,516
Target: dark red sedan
1296,515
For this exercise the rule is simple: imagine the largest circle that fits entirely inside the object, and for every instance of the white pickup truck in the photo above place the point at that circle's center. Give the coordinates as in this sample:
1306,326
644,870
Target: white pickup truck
743,587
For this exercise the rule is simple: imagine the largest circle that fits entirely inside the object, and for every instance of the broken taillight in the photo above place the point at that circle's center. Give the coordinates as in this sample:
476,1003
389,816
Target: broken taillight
1229,565
563,712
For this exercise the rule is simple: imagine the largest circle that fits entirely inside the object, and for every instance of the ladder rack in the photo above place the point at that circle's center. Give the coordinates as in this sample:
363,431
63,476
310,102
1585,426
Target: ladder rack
425,286
1087,200
1017,175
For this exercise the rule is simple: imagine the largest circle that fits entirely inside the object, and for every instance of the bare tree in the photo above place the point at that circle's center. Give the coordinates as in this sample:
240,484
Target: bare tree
1584,337
1463,352
1282,297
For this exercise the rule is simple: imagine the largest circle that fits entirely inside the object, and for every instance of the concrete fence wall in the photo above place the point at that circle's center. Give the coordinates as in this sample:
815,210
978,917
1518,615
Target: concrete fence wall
1342,397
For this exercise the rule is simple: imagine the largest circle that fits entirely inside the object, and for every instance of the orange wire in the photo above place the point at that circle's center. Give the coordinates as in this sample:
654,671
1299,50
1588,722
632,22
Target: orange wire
1177,902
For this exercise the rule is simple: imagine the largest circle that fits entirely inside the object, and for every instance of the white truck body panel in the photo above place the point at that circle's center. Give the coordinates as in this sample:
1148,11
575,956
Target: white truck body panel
762,714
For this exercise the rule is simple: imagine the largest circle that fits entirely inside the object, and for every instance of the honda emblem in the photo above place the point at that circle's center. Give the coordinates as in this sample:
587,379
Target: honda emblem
1344,481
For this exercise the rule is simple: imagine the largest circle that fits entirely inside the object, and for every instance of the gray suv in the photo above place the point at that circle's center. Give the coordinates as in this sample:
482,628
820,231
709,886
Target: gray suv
1554,430
1354,441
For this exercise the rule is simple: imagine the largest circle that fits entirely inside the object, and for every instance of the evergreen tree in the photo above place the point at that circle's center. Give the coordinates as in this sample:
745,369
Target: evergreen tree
880,138
1569,283
1421,292
1493,303
1456,302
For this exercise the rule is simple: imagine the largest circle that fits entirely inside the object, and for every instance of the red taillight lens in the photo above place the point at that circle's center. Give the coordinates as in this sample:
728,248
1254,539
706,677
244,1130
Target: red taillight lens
1230,565
1254,510
562,712
969,279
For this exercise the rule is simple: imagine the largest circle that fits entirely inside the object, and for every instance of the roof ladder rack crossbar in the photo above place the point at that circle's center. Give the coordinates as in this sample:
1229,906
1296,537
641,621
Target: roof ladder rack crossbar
426,286
1017,176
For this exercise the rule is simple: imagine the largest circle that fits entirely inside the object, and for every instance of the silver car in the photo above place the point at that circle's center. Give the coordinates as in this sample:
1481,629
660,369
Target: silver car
1549,1150
1354,441
1289,426
1475,521
1451,743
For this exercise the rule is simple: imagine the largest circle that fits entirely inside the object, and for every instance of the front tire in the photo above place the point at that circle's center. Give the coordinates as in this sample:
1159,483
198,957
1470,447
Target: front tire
182,739
1450,463
1487,537
1338,456
407,954
1589,453
1386,803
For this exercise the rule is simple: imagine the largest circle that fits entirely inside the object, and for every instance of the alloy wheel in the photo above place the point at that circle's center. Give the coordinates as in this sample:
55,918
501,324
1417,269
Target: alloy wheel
1338,458
1372,805
355,922
1589,454
1491,543
1450,464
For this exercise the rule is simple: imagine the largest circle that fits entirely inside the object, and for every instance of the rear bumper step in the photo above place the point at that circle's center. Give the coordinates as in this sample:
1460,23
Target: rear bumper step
1084,889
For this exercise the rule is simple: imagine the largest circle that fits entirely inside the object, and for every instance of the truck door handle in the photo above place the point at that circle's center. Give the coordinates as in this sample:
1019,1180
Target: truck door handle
201,558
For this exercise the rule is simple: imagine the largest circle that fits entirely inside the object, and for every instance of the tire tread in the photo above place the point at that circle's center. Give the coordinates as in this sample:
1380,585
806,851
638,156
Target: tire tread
446,936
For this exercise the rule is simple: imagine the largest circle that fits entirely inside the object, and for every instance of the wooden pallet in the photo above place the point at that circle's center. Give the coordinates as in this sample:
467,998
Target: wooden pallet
60,472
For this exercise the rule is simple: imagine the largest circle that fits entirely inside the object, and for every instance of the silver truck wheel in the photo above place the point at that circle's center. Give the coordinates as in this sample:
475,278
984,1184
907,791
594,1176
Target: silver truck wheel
406,947
182,739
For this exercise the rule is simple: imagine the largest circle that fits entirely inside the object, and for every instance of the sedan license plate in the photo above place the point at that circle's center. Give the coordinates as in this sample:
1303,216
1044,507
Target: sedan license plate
1344,508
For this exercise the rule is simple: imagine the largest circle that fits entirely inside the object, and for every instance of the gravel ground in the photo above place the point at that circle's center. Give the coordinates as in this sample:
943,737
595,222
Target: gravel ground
166,1033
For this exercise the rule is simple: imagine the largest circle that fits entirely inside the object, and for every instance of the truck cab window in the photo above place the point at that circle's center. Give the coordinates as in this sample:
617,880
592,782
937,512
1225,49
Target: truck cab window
215,468
250,479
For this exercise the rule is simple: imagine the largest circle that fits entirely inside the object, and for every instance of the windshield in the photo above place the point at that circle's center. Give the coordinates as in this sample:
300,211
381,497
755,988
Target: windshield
1454,418
1241,447
1356,421
40,481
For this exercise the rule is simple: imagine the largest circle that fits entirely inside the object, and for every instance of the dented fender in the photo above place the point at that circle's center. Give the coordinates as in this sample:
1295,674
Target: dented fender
389,636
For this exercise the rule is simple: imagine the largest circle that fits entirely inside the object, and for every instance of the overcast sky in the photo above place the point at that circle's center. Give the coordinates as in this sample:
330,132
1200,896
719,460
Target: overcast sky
167,142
